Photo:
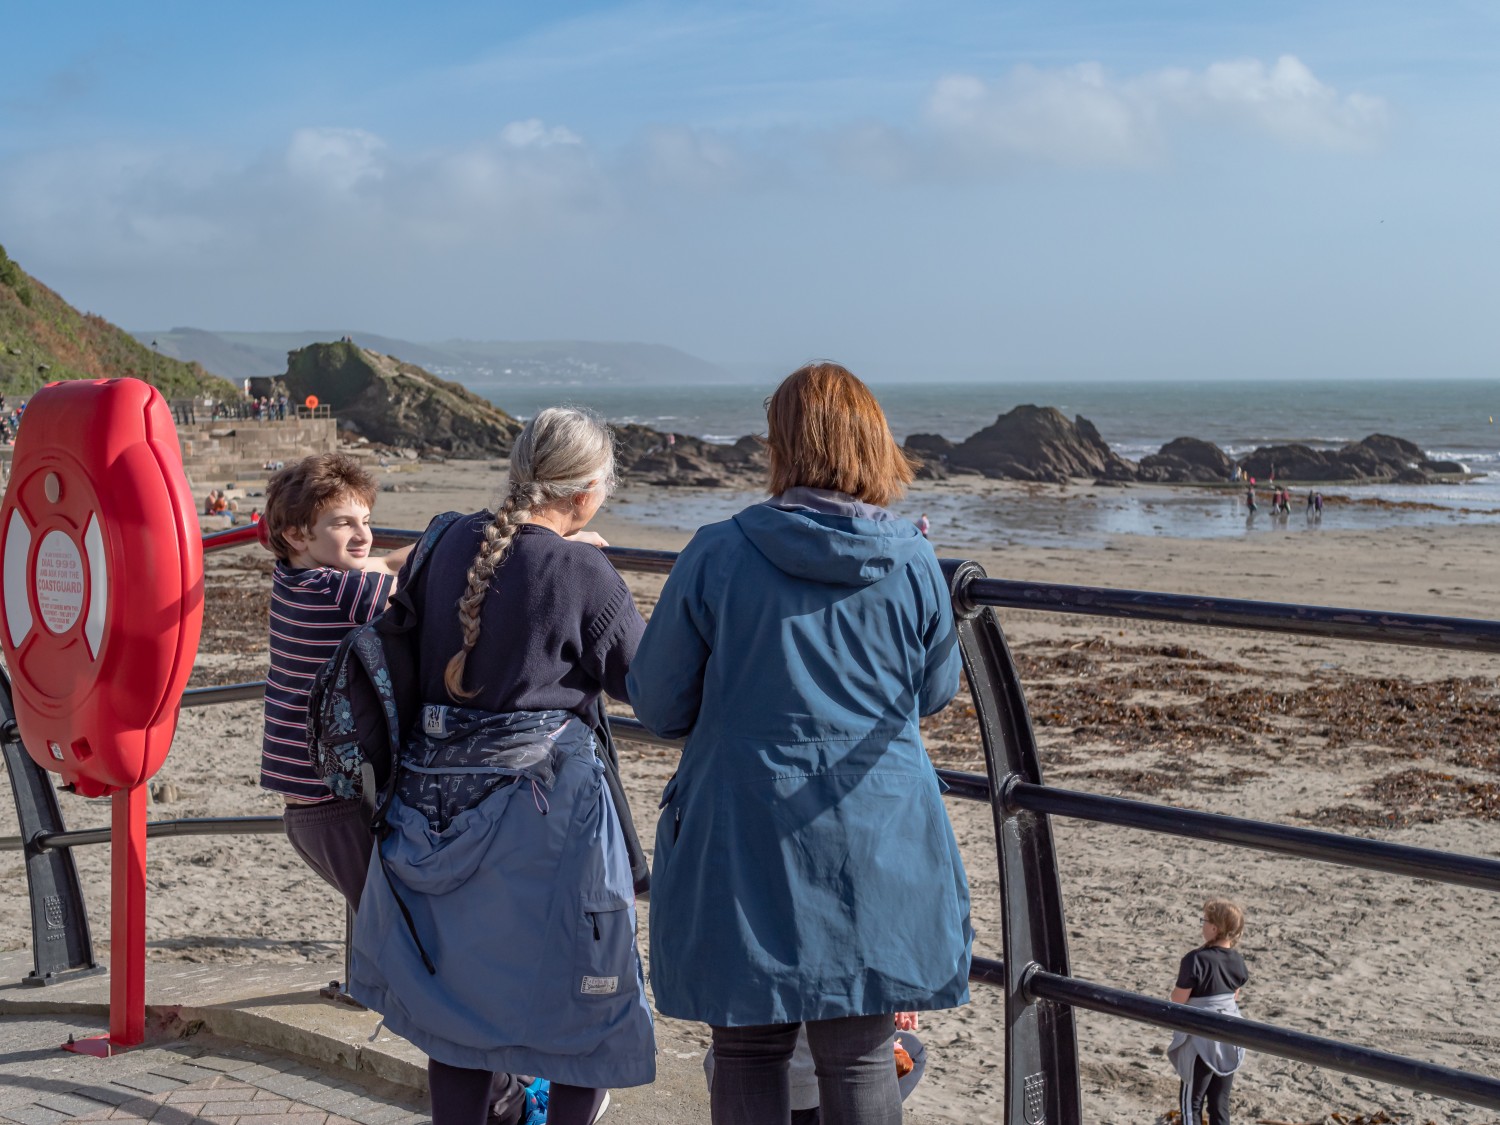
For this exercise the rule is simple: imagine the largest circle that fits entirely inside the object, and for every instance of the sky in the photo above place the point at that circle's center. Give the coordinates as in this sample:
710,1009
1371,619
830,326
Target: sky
937,190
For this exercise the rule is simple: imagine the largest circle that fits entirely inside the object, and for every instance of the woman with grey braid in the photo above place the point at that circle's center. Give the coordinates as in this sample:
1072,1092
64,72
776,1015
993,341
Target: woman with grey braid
503,935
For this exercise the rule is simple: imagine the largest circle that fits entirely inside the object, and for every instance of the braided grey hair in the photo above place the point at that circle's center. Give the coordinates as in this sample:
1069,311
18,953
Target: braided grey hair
561,453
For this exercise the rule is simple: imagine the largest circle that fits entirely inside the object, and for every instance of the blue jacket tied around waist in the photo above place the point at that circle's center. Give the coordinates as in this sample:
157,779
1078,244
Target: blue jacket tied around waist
805,868
519,890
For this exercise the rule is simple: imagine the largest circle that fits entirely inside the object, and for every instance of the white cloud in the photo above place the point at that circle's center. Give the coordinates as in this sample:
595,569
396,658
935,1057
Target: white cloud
1084,115
337,161
532,133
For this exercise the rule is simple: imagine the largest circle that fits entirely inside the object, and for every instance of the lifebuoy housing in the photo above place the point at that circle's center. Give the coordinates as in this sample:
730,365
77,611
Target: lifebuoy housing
103,581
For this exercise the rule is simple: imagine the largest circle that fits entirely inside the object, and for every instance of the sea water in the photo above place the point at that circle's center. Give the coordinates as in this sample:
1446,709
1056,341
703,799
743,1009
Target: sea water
1450,419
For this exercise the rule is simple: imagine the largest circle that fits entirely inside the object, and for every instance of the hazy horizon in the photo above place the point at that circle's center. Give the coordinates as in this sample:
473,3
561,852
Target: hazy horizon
954,190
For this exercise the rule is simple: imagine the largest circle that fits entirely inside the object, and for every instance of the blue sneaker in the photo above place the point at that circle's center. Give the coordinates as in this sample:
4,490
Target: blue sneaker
534,1112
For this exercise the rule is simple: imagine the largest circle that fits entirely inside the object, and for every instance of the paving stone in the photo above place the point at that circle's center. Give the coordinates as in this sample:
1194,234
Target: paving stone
109,1093
385,1115
302,1119
77,1106
184,1072
177,1114
355,1105
36,1115
149,1083
327,1099
287,1085
224,1063
137,1107
224,1093
256,1073
261,1107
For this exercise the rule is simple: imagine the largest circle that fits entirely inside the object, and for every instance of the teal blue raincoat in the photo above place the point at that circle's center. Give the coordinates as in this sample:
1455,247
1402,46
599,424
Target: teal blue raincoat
805,868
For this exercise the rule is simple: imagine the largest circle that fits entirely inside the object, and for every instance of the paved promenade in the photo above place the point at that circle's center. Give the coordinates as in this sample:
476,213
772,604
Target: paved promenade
252,1044
200,1079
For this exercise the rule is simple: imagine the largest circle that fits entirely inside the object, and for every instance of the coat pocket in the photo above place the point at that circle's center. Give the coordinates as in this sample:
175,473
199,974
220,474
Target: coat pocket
604,963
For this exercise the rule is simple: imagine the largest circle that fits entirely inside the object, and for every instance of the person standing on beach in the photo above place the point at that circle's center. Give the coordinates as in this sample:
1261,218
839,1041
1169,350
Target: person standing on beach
502,935
923,525
1210,978
805,873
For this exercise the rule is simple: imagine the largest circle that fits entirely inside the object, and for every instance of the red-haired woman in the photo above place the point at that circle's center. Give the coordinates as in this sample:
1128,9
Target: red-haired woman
805,870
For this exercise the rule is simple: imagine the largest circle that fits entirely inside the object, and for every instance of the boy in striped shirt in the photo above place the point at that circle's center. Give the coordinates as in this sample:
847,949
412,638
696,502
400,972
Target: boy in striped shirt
326,582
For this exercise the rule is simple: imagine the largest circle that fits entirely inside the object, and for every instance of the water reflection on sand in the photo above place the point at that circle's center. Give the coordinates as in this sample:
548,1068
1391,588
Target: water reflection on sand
995,514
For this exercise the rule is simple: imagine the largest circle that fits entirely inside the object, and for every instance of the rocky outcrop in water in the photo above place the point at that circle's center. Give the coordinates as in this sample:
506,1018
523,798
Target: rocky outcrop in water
677,460
1187,460
397,403
1035,443
1377,459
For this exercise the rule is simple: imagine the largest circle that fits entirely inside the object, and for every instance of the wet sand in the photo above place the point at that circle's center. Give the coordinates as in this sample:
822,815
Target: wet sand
1395,743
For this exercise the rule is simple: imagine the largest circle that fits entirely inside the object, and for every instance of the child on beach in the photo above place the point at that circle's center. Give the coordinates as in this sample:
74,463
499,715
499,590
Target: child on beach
1210,977
326,582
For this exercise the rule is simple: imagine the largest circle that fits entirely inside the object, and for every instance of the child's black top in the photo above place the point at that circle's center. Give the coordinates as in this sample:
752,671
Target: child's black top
558,623
1212,970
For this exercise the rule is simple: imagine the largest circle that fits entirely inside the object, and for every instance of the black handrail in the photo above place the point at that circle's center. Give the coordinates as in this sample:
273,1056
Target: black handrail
1420,629
1366,1062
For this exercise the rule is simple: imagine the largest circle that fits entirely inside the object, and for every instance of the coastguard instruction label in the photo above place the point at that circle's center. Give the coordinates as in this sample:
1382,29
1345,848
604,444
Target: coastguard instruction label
58,582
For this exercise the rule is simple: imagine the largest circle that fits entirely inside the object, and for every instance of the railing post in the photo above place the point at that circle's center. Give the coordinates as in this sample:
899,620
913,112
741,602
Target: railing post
60,939
1041,1042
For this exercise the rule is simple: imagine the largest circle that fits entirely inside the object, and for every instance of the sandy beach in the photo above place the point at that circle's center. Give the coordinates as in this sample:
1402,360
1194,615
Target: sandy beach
1400,744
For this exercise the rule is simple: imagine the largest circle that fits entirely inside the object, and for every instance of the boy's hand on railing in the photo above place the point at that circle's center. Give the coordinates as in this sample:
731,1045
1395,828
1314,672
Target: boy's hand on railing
592,538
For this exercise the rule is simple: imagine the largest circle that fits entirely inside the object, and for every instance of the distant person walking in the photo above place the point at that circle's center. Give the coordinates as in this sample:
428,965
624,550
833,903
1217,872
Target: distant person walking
1250,498
923,525
1210,978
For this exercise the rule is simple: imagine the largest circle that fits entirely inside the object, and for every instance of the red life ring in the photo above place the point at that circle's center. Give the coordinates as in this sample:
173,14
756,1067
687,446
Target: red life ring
102,599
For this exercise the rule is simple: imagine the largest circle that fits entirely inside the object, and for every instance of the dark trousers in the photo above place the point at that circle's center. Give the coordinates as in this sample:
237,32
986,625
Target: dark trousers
1210,1091
461,1096
334,840
855,1061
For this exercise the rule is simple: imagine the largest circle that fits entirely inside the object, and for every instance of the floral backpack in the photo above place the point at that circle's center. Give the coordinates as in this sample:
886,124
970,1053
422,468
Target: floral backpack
366,696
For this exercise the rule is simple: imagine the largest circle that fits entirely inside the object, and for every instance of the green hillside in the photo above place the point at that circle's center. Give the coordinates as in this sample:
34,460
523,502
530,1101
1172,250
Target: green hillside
43,338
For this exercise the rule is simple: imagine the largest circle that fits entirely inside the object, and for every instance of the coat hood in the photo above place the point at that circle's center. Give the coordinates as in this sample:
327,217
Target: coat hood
840,550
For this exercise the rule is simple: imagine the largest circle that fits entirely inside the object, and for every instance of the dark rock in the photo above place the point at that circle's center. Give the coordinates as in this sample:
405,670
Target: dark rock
1185,460
1038,443
1443,466
1392,448
684,461
1104,482
1378,459
930,455
398,403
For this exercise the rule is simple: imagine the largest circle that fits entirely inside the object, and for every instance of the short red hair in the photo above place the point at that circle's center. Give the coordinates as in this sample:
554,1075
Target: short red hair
826,430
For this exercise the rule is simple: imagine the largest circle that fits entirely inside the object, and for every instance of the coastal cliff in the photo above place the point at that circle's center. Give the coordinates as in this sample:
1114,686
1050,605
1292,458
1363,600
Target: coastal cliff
381,398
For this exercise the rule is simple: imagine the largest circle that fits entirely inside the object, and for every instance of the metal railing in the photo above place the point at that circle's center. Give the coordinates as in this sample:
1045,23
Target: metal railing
1041,1047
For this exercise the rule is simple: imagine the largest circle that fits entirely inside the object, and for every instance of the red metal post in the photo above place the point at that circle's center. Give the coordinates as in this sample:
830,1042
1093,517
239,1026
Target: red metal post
127,950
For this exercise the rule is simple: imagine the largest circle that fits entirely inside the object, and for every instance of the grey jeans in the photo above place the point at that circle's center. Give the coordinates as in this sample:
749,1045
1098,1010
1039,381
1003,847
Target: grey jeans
855,1061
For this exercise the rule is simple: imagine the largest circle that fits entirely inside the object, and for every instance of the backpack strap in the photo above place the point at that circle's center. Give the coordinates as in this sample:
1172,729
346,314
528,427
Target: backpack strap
402,617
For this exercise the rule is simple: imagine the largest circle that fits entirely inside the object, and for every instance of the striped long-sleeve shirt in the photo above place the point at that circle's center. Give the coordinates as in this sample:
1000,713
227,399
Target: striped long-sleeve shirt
311,612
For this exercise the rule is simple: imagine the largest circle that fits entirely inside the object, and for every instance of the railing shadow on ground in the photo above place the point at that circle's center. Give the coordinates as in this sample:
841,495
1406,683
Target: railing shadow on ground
1041,1043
